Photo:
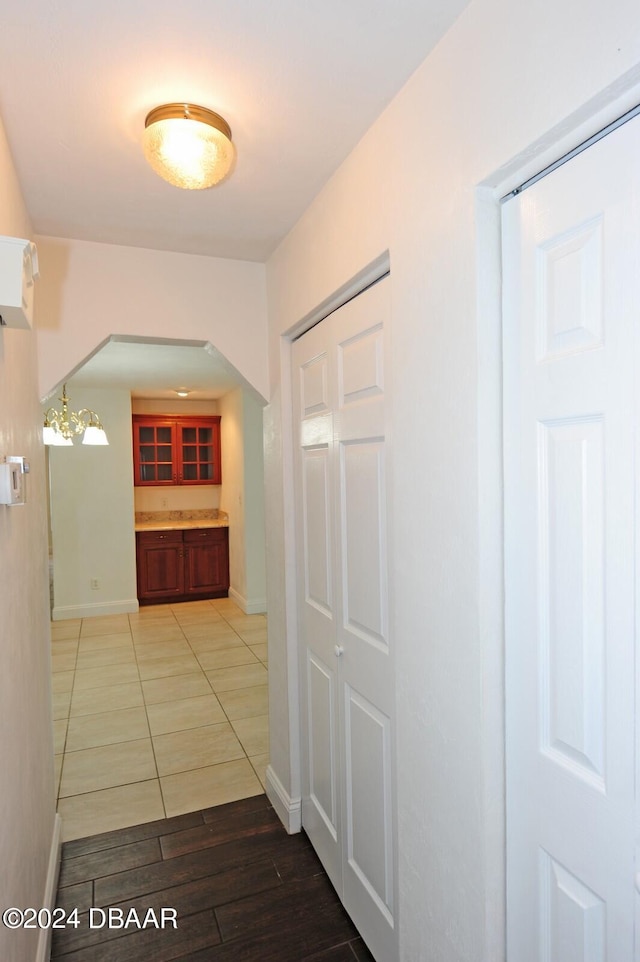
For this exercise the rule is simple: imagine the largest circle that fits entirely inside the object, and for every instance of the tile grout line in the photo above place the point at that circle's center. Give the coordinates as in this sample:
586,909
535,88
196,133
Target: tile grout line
146,715
175,620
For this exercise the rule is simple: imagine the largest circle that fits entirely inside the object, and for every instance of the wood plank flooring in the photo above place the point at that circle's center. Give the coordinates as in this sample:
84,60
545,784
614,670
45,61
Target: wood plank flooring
243,889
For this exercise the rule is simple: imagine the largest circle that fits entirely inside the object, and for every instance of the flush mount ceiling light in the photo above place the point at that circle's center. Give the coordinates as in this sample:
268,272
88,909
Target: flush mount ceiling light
61,427
182,392
188,145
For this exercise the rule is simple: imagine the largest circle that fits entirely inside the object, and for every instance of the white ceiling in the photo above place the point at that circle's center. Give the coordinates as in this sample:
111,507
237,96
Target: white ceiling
299,82
157,370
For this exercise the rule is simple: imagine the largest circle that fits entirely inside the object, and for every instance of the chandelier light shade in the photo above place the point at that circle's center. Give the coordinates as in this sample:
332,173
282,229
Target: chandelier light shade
61,427
187,145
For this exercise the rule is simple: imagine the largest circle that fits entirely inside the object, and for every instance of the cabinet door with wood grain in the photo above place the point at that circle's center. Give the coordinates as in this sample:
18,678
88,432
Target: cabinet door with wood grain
160,565
206,561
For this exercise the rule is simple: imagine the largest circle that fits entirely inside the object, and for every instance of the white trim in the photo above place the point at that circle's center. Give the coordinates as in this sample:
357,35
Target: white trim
582,146
491,561
288,810
373,272
61,613
603,109
255,606
50,890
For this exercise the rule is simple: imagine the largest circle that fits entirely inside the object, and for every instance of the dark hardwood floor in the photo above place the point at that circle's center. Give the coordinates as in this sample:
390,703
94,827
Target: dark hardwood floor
243,890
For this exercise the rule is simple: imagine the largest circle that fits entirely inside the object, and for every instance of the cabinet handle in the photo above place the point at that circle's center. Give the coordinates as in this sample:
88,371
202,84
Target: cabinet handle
338,650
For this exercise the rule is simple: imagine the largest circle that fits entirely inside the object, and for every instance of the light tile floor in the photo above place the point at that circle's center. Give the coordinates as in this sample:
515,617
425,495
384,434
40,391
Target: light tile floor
158,713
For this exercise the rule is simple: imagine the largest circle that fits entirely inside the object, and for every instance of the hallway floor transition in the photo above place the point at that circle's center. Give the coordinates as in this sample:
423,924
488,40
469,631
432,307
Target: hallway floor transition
158,713
242,890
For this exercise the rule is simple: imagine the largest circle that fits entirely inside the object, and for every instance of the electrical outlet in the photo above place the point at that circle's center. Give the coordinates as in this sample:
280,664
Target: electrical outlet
163,502
94,584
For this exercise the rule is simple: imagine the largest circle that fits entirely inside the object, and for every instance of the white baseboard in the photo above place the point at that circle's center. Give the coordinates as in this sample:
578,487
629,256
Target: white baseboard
288,810
128,606
50,890
254,606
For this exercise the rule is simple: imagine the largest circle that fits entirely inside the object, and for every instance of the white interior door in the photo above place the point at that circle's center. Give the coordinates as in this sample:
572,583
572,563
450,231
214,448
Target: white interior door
571,254
347,673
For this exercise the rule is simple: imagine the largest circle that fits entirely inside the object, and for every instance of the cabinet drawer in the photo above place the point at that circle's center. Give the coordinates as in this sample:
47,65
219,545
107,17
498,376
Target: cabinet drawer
159,537
200,535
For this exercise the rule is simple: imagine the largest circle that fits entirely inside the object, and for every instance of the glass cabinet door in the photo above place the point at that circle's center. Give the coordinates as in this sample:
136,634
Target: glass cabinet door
176,450
154,453
199,453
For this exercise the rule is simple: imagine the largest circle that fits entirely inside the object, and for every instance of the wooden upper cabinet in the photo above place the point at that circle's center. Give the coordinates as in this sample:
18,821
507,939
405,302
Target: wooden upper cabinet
198,441
176,450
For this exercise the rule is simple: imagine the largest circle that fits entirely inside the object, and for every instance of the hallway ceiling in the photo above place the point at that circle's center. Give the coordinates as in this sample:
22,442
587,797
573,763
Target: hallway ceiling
299,82
157,370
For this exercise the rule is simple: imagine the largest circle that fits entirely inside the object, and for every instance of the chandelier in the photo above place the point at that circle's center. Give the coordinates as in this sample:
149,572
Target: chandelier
61,427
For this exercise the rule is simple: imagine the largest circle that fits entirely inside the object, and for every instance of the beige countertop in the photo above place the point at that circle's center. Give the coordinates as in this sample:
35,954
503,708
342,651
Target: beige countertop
180,525
180,520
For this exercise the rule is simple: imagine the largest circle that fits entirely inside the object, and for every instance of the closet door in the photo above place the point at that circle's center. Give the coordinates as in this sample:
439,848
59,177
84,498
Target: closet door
347,671
571,313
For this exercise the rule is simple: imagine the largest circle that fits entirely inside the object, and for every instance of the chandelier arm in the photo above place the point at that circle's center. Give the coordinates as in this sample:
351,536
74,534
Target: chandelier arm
94,420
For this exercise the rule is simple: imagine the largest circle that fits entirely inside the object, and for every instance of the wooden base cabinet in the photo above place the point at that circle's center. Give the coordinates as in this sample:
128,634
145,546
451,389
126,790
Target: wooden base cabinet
182,565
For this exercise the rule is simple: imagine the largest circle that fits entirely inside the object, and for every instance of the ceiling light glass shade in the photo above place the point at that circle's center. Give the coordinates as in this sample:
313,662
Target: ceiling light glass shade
188,146
94,435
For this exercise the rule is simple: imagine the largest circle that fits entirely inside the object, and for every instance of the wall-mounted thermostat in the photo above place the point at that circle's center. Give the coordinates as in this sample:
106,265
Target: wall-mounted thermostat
13,488
18,271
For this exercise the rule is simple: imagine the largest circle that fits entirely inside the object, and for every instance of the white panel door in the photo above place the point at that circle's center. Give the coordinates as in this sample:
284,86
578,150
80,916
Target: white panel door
315,496
571,253
347,674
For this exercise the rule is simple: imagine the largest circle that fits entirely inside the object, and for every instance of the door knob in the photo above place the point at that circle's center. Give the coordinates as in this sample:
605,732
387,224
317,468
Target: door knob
338,649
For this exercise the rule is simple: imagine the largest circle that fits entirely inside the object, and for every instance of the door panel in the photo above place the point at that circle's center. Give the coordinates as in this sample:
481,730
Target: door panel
364,541
573,918
341,414
572,638
368,795
571,252
323,774
318,574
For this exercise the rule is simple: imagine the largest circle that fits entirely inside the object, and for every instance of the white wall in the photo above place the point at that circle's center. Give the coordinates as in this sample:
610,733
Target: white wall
27,797
254,504
89,291
509,86
232,494
92,513
242,496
